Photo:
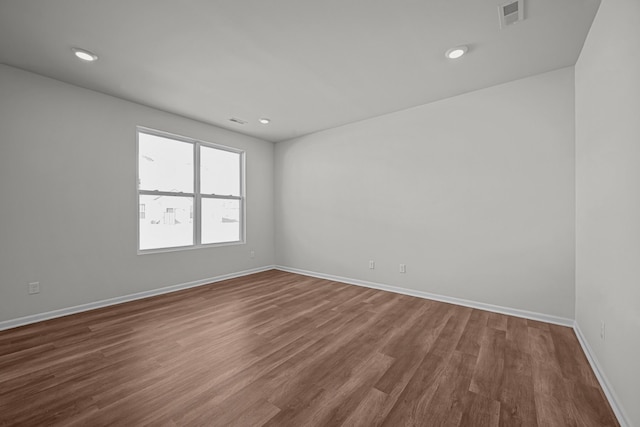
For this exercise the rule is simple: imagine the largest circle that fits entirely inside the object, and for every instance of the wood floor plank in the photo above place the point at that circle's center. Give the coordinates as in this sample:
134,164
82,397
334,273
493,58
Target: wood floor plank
369,411
282,349
572,361
413,404
518,333
480,411
536,324
497,321
517,398
472,336
333,408
547,373
410,354
553,412
447,405
488,373
588,405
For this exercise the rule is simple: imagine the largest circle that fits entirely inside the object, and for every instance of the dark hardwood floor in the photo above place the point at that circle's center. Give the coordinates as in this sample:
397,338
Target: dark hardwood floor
279,349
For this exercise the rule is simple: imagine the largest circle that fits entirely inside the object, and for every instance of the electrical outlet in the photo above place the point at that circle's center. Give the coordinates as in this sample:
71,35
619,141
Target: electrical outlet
252,254
602,336
372,265
34,288
403,268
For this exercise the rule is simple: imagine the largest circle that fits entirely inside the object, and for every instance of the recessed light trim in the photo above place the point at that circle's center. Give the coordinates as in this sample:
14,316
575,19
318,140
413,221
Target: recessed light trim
456,52
84,54
264,121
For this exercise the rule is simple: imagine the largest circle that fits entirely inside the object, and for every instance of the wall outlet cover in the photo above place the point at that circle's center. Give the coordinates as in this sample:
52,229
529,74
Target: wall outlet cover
34,288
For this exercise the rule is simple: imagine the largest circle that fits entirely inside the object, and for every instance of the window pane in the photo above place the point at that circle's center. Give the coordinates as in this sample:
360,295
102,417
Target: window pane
167,222
220,220
165,164
219,172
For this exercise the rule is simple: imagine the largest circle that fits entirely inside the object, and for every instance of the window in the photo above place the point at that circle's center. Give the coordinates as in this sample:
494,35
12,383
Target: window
190,193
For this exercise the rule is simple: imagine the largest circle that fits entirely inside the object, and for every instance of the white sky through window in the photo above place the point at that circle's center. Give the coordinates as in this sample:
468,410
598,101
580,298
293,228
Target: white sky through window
165,165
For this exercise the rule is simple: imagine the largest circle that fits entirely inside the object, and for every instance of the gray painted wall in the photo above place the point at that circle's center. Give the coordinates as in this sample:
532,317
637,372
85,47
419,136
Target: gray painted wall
61,146
608,196
475,194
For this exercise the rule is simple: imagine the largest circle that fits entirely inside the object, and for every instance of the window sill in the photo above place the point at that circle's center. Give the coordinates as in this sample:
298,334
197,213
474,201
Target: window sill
189,248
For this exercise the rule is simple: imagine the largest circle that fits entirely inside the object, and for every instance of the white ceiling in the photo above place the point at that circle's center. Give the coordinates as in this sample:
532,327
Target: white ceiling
307,65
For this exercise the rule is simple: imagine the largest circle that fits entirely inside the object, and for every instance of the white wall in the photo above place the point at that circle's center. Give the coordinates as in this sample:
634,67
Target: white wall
608,196
61,146
475,194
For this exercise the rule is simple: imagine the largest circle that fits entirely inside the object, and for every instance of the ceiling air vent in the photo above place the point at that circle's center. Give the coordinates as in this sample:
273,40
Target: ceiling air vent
510,13
239,121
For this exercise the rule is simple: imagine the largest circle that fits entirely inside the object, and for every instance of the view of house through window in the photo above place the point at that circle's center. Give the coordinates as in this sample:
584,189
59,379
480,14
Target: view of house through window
190,193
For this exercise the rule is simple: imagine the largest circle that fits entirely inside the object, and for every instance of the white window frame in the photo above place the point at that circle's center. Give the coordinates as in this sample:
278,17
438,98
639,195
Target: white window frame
196,195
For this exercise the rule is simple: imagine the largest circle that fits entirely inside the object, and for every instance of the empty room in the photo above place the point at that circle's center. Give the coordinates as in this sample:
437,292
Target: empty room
320,213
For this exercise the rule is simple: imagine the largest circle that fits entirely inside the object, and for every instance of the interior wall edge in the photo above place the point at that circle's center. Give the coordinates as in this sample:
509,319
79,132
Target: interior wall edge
39,317
602,378
541,317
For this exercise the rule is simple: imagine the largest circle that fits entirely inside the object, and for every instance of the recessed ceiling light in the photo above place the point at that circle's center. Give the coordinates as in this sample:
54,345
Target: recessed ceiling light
456,52
265,121
84,54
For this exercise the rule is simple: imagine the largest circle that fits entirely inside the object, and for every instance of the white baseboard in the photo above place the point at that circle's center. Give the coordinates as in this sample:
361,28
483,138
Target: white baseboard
21,321
604,383
442,298
593,361
602,378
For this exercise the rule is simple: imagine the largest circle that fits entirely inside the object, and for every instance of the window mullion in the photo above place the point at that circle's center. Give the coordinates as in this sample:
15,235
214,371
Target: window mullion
243,189
217,196
164,193
197,211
